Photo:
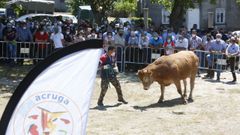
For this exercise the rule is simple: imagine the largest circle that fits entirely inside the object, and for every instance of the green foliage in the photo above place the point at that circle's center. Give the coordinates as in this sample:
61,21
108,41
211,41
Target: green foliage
168,4
125,8
18,9
3,3
238,2
74,5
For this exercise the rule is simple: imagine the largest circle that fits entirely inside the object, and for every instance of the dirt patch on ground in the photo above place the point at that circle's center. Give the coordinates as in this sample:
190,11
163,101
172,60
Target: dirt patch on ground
215,110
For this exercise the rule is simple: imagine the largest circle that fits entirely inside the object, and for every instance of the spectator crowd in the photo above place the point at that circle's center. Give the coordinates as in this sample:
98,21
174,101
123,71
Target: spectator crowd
63,33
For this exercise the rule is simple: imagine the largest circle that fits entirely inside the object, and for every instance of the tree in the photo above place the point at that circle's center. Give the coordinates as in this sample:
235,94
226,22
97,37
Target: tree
74,5
18,9
124,8
3,3
178,9
100,8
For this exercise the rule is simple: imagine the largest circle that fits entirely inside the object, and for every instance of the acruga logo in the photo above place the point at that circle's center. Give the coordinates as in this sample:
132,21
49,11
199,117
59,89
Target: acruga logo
48,122
48,113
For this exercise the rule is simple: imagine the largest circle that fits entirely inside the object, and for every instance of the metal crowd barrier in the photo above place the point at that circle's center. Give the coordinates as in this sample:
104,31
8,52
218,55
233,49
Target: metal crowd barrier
135,57
127,58
25,50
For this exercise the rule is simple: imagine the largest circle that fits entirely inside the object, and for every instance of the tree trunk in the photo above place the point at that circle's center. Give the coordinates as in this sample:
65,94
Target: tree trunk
177,15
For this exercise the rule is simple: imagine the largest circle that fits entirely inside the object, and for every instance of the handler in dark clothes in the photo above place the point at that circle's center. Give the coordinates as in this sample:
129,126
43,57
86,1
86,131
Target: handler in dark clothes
108,75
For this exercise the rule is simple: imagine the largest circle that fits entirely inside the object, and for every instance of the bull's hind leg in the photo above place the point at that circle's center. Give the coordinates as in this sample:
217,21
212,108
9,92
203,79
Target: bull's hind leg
192,81
162,94
179,89
185,88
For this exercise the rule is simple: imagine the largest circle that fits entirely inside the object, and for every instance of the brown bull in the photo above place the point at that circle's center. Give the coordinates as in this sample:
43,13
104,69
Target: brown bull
171,69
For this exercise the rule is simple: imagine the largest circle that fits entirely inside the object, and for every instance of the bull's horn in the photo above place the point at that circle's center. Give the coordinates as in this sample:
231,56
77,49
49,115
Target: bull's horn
144,71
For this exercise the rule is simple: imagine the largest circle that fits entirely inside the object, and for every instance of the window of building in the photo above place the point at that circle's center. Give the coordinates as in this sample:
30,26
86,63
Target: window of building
220,16
62,1
165,16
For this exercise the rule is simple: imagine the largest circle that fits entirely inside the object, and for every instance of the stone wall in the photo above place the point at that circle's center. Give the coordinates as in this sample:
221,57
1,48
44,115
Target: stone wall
232,11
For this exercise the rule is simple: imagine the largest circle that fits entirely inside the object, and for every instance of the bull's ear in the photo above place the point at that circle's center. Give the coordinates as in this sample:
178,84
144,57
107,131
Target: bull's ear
138,72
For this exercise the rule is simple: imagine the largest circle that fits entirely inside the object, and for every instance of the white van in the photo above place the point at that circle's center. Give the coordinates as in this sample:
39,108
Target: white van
2,11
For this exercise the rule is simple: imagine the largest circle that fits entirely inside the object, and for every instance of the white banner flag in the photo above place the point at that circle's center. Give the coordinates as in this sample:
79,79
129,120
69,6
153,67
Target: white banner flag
57,101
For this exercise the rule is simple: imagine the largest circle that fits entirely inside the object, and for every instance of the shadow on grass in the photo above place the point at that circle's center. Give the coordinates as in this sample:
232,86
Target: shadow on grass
11,76
14,72
104,108
166,103
129,76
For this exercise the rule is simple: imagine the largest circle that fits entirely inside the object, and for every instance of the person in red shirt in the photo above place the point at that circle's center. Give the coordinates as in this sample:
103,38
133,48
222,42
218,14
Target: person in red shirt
169,46
109,75
41,37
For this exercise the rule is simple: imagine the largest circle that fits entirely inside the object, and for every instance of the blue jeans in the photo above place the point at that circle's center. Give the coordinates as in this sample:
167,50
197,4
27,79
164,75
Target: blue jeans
201,56
12,50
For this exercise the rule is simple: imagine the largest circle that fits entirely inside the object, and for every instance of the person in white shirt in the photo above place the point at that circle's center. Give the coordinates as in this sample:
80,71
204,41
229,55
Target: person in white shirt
181,43
119,39
195,42
57,38
232,52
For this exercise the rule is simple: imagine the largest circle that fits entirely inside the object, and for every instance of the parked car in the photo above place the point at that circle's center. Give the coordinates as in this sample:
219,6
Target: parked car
40,17
37,17
236,32
2,12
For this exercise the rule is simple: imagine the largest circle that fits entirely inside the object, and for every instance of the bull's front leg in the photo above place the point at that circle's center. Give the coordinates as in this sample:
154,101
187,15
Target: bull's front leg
185,88
162,94
179,89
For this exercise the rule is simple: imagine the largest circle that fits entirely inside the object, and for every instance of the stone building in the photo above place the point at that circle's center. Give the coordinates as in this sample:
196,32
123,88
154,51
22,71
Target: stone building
224,14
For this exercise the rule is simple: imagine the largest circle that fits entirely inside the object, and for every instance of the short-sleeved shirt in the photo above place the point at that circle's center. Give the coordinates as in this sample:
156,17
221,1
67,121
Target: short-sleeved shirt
217,46
57,40
232,49
24,35
133,40
182,44
41,38
194,43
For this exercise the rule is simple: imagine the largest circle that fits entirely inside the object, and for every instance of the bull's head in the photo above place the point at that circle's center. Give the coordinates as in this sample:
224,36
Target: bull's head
146,77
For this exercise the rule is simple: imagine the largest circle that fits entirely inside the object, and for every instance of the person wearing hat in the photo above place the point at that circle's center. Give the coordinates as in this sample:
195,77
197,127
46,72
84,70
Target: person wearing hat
232,52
